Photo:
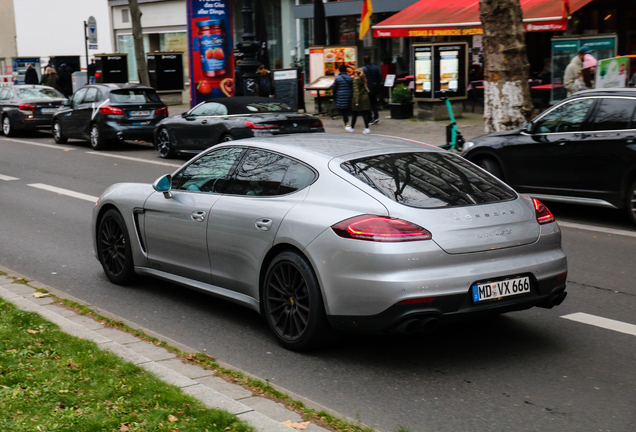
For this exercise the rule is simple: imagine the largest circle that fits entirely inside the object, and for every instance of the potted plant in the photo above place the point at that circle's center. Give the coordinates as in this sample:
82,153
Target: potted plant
401,105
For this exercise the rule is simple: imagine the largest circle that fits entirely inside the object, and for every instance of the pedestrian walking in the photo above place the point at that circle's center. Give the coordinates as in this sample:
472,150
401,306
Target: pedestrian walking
31,75
588,71
265,87
90,71
374,83
360,102
52,79
238,79
45,76
572,70
343,93
65,78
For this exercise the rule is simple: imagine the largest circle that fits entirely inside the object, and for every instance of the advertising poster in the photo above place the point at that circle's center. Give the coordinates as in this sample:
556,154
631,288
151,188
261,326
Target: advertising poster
612,72
423,70
210,48
449,68
335,57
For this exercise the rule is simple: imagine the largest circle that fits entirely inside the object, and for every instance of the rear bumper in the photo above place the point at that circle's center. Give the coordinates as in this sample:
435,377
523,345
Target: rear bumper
23,122
112,130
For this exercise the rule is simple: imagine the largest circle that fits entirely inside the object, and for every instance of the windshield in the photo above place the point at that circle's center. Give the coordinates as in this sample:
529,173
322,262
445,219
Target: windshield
428,180
134,96
39,93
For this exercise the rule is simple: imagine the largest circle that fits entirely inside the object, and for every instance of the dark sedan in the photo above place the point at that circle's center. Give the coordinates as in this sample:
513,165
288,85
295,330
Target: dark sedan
103,113
581,151
28,107
227,119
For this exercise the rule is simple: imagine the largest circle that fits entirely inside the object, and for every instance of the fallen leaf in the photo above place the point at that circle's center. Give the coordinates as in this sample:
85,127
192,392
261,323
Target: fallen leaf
298,425
172,418
39,294
32,331
124,427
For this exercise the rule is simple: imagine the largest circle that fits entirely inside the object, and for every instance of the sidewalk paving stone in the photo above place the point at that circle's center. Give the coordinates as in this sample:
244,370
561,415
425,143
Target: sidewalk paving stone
19,289
168,375
264,423
60,310
219,384
151,351
125,353
117,335
6,294
215,399
191,371
85,321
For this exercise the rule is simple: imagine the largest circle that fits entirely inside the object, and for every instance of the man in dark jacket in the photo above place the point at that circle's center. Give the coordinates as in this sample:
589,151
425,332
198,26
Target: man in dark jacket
374,82
343,93
31,75
65,77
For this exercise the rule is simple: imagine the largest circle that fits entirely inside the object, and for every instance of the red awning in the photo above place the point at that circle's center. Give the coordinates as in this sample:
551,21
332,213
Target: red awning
461,17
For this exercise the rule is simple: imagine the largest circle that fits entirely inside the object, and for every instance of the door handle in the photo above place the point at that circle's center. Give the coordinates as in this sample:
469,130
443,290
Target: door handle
629,139
198,216
204,122
264,224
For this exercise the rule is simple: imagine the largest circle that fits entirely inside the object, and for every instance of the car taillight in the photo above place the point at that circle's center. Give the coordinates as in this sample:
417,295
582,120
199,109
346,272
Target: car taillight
162,110
109,110
26,107
418,300
380,229
318,124
544,216
260,126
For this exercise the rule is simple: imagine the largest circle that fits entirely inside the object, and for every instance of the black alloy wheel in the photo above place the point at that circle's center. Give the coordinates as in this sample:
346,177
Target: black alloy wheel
97,142
293,305
227,138
58,135
490,165
631,202
164,144
113,248
7,127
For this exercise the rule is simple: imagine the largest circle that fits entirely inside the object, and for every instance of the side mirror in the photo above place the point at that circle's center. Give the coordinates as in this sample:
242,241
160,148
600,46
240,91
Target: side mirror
164,184
184,114
530,128
66,102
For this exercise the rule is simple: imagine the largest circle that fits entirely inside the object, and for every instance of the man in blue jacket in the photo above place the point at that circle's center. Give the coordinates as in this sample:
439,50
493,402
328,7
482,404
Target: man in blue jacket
374,82
343,93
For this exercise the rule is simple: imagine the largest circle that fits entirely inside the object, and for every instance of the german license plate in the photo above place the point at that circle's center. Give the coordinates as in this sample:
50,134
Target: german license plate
502,288
144,113
48,110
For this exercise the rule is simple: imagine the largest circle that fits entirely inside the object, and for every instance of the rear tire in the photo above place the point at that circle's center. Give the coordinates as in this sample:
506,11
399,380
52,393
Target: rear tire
58,136
114,249
7,127
292,303
226,138
164,144
491,165
630,204
97,142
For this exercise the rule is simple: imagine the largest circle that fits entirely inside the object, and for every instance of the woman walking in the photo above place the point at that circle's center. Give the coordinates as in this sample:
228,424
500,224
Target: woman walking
360,102
343,93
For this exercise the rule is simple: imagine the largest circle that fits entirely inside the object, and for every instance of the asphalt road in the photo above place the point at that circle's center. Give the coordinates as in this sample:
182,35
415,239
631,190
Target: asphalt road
526,371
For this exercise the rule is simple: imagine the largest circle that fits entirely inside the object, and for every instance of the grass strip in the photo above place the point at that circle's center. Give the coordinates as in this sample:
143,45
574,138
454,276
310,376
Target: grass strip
52,381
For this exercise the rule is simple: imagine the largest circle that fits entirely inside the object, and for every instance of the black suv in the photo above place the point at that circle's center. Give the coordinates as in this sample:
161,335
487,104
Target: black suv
582,151
106,112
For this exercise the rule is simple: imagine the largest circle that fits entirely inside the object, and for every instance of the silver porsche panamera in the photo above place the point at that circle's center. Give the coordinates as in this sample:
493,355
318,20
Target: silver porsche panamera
330,232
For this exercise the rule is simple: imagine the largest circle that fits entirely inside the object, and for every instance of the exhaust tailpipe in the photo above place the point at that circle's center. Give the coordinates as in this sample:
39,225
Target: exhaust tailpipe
409,326
555,300
429,324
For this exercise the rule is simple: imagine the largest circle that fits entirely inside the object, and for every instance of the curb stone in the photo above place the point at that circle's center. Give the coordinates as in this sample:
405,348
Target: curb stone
263,414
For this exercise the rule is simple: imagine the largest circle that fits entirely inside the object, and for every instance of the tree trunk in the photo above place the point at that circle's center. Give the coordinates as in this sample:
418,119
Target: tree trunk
138,38
507,102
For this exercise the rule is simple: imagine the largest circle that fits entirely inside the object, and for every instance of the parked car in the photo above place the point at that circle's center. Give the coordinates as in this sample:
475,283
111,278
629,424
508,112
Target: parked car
324,231
28,107
582,151
103,113
228,119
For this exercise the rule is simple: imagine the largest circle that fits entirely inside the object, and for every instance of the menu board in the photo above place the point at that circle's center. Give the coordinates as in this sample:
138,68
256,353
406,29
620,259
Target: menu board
423,71
286,85
316,63
335,57
322,83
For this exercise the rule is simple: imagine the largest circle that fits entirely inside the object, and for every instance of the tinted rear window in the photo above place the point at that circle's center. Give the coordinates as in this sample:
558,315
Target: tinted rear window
260,107
39,93
134,96
428,180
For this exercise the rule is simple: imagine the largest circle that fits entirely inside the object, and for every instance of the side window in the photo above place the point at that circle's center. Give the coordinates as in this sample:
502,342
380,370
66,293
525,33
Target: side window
92,95
614,114
261,173
78,96
5,94
297,177
208,173
206,109
568,117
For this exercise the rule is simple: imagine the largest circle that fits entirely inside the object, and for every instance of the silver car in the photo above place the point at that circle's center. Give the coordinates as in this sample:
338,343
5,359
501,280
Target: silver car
329,232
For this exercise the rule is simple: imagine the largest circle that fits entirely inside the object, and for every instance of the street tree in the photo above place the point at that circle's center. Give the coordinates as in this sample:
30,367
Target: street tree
138,39
507,101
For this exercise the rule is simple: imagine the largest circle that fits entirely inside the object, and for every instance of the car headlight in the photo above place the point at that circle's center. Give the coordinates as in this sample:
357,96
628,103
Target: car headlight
468,146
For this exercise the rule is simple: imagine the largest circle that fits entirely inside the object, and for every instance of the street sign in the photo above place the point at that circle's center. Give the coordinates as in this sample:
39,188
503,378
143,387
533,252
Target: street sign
93,47
92,30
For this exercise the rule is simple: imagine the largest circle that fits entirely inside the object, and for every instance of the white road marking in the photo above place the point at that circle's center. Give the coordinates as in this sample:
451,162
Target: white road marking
58,147
605,323
135,159
66,192
597,229
7,178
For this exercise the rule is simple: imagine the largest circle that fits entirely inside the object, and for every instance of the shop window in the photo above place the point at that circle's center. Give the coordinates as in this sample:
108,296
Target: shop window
125,16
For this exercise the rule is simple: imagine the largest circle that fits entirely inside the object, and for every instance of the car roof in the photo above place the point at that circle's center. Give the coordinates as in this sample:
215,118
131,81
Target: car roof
113,86
619,91
240,101
331,146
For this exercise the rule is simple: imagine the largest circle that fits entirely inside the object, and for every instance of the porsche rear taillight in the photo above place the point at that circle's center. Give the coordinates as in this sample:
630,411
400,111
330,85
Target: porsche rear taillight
380,229
260,126
544,216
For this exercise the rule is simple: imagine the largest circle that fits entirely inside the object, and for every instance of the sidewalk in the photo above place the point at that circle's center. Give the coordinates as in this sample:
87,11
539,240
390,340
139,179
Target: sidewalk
263,414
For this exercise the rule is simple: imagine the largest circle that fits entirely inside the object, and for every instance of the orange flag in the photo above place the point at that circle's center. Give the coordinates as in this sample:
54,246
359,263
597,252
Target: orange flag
365,21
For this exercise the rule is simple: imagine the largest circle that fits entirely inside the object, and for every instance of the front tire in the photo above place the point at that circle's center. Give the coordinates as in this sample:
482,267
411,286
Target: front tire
491,165
114,249
292,303
7,127
58,135
226,138
631,202
164,144
97,142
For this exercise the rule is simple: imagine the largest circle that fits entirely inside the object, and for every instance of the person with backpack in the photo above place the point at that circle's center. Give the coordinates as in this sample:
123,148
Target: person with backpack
265,88
374,82
360,101
343,93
